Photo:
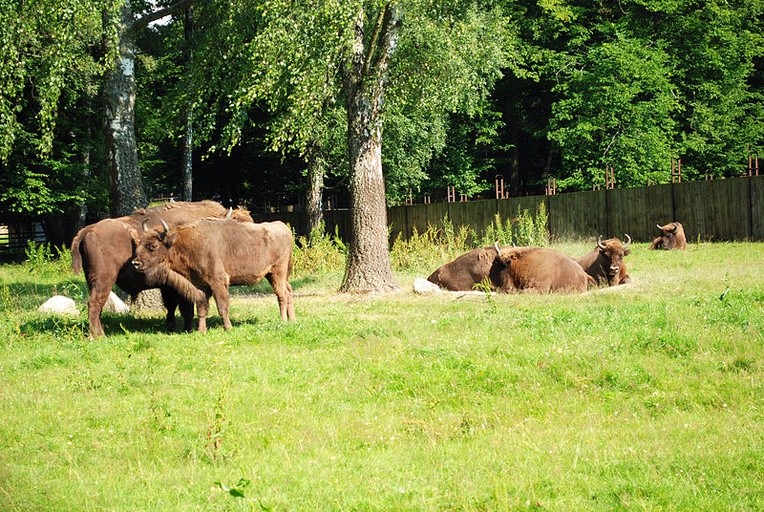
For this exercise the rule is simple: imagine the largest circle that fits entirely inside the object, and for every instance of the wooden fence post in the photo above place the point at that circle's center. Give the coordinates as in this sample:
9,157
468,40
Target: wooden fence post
610,177
753,164
500,192
676,170
551,186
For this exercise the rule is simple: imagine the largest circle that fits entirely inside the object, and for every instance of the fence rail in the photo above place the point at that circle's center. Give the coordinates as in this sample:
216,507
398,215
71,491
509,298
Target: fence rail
716,210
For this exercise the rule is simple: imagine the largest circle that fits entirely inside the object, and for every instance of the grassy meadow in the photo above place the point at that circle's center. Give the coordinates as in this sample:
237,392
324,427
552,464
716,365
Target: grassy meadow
648,396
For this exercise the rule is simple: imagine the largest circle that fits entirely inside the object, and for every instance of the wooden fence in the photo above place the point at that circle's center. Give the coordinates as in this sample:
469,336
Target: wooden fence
717,210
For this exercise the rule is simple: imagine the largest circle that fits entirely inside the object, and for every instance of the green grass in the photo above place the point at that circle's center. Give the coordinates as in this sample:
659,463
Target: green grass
647,397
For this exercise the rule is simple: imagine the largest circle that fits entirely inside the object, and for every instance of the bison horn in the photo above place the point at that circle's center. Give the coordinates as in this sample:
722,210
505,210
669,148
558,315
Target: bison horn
628,240
145,225
230,213
496,246
600,244
660,227
165,229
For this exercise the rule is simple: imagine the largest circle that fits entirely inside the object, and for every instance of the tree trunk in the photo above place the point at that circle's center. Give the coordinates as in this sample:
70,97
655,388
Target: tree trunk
82,218
188,139
368,263
314,202
119,125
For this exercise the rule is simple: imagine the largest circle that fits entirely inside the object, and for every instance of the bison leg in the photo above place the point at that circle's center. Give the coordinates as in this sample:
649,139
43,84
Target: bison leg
187,312
99,294
283,291
220,293
170,301
202,308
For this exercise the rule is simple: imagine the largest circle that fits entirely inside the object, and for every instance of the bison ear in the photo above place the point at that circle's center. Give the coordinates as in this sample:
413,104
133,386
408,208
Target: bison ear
626,252
135,236
504,258
169,239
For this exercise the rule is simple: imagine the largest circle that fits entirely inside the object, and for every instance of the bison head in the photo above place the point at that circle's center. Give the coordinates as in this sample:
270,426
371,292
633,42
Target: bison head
670,228
613,252
151,246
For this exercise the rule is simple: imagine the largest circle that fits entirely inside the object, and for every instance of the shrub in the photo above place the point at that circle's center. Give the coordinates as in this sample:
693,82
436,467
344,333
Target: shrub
319,252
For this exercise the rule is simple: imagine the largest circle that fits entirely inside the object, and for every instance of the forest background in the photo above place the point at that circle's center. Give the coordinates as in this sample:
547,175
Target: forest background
106,104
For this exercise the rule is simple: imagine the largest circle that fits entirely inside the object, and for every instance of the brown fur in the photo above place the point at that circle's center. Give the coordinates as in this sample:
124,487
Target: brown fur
512,269
467,270
104,250
605,263
212,254
672,237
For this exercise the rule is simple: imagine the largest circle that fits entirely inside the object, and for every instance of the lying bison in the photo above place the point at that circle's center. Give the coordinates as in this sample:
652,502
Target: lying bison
512,269
605,262
672,237
207,256
104,250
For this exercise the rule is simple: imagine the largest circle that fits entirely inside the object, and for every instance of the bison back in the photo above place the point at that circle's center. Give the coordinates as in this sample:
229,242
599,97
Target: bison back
464,272
544,270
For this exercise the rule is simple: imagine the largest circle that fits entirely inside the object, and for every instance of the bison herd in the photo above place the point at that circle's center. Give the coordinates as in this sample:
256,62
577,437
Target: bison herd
194,250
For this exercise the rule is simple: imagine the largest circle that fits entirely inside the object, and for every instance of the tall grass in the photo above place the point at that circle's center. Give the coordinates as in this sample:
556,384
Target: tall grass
436,245
647,396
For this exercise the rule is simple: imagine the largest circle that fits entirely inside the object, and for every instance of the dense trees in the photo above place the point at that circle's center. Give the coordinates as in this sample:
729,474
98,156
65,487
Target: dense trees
312,65
371,99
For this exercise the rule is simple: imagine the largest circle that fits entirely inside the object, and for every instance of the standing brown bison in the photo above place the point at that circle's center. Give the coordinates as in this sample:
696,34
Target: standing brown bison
672,237
605,263
207,256
104,250
512,269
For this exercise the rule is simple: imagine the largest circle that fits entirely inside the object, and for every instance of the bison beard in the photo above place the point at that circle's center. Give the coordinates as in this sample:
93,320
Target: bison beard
164,275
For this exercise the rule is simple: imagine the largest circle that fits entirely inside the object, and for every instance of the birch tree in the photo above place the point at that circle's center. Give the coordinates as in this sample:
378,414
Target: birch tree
307,61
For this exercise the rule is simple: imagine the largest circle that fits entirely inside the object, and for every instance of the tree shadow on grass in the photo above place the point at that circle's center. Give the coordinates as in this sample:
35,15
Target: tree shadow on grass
31,295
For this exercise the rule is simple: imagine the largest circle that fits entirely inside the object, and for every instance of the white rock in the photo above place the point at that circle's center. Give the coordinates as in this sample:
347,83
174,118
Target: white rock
115,305
59,305
422,285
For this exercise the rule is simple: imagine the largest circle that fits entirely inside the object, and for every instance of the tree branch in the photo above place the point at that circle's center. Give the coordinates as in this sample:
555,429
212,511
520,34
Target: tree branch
175,8
374,38
391,25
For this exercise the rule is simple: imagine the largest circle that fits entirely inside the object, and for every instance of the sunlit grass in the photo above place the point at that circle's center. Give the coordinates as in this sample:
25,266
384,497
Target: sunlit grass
648,396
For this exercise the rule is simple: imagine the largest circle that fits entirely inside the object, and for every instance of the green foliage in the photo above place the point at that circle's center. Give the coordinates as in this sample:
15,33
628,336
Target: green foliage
617,111
430,248
290,60
45,261
36,71
525,229
634,86
319,252
424,250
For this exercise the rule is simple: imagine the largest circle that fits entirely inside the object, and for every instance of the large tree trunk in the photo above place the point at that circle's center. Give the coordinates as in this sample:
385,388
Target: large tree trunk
119,124
119,109
368,264
314,202
188,139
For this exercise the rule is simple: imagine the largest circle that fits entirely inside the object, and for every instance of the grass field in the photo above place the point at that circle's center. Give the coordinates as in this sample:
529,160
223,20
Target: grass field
645,397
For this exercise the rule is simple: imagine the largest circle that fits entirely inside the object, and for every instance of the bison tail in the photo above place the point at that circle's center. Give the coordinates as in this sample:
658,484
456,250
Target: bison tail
76,255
